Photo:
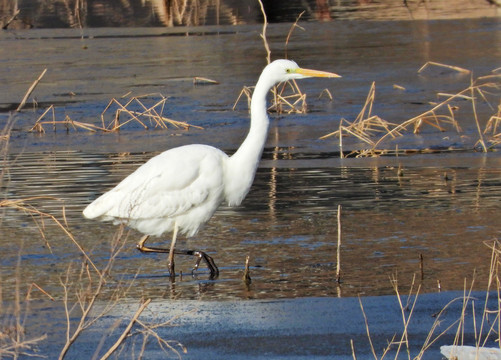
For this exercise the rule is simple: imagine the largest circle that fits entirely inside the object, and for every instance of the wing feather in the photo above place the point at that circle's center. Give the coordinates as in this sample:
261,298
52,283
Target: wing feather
168,185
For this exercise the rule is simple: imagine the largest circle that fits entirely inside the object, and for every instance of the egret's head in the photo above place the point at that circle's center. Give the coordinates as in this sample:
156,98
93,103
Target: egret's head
285,70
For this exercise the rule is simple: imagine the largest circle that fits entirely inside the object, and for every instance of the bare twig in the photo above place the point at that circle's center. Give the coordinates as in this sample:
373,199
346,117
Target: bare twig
367,329
126,331
11,19
263,34
451,67
338,251
295,25
30,90
23,205
480,134
246,277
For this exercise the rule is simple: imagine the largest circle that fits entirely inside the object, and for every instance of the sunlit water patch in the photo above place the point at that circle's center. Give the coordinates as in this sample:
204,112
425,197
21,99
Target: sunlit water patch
287,225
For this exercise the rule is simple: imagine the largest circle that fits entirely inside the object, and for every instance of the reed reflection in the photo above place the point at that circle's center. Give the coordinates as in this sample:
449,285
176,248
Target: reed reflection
287,225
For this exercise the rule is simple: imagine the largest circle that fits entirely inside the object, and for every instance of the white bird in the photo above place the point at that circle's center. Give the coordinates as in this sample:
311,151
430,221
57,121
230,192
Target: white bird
181,188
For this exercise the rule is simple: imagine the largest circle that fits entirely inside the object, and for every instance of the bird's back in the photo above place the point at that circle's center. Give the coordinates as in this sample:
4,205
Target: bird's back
183,185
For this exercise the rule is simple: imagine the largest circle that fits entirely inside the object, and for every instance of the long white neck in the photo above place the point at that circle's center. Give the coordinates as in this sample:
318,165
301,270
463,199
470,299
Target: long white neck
243,164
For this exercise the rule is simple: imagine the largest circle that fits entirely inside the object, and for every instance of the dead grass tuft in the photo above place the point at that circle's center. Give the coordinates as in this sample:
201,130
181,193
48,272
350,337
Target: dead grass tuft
375,131
82,285
134,109
487,329
366,125
145,110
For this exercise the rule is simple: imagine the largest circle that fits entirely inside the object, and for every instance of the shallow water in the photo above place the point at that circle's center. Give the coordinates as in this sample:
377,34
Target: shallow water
443,207
287,225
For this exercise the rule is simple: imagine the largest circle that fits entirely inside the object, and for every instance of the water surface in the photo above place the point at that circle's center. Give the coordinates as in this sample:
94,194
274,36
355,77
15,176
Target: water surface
443,207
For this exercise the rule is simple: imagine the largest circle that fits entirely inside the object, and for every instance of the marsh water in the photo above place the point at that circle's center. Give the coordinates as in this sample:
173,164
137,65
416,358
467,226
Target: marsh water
422,217
440,203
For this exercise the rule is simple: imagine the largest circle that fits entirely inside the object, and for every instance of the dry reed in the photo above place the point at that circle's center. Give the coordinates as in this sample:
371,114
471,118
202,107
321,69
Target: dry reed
365,125
81,289
246,278
147,117
123,112
86,288
489,326
30,90
263,33
13,340
287,97
374,131
338,249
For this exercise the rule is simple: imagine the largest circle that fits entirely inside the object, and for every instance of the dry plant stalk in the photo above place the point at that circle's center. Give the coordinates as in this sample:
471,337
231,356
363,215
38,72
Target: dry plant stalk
287,96
152,115
338,250
30,90
404,339
127,330
490,323
450,67
406,312
6,24
263,33
246,278
366,125
489,326
168,346
67,123
288,99
24,206
247,92
295,25
134,110
89,285
87,289
13,340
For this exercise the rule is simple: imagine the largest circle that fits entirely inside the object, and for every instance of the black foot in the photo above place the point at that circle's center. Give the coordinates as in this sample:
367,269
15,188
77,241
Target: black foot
211,265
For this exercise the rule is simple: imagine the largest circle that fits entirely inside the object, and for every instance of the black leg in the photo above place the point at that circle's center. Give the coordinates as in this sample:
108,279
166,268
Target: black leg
211,265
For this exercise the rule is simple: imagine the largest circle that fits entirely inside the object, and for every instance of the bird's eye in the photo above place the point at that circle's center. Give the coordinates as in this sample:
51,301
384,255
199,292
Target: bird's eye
288,71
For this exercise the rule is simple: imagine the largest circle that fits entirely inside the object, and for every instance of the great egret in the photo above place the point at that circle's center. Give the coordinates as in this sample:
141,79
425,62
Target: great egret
181,188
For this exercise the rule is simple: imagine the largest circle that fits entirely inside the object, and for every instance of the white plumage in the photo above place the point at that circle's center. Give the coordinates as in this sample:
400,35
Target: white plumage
181,188
166,190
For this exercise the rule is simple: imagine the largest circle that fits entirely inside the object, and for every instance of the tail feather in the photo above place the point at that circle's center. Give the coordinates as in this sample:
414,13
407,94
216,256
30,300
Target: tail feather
98,208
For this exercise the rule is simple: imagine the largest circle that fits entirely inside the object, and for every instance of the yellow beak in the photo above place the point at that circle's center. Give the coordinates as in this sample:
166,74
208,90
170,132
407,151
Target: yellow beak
316,73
